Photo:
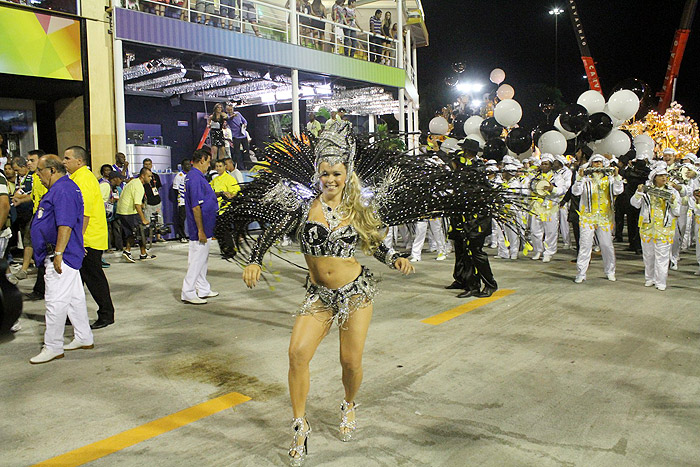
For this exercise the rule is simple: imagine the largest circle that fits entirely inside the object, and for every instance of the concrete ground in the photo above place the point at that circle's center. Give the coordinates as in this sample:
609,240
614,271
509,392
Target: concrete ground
556,373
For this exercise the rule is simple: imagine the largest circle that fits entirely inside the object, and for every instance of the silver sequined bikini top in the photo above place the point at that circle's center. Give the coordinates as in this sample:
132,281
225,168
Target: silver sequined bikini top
317,239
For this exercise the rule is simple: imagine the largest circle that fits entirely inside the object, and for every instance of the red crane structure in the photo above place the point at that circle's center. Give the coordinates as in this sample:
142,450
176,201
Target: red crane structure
588,63
680,39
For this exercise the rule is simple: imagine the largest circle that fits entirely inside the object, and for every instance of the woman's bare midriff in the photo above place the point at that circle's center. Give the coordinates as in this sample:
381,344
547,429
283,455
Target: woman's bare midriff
332,272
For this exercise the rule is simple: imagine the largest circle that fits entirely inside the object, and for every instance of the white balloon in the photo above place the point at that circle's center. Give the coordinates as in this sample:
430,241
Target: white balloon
508,112
478,139
505,91
497,76
439,126
616,143
643,140
472,124
552,142
623,104
592,100
567,134
450,145
616,121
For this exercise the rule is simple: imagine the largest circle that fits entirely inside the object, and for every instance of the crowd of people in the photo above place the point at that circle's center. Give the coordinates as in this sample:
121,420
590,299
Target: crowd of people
332,29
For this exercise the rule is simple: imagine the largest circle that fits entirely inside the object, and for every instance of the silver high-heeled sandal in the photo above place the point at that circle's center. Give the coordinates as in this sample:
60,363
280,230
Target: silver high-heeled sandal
349,426
297,452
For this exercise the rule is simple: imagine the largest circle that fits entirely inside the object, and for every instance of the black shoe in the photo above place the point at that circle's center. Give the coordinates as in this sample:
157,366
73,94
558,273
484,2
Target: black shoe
468,293
454,285
487,292
32,296
99,324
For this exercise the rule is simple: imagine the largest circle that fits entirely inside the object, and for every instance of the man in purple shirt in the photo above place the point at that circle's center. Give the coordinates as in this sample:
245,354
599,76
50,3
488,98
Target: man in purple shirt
237,123
201,208
57,236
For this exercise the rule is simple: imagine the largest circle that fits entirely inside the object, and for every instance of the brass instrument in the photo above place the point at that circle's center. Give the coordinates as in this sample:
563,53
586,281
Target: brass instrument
600,170
659,192
681,175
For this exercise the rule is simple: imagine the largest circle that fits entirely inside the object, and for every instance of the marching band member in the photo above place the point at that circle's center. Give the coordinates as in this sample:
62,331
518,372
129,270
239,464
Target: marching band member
562,170
544,226
597,191
508,239
673,165
695,207
659,206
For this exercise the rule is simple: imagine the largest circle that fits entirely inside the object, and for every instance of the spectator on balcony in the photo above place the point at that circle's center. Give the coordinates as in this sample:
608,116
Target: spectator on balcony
228,13
204,6
386,31
318,26
249,14
375,27
160,7
350,42
338,16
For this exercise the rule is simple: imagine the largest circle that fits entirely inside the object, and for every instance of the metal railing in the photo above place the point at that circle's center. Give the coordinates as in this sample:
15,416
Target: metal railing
274,22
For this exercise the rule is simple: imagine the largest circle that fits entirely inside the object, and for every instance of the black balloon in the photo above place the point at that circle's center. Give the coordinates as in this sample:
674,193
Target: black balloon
490,128
599,126
519,140
574,118
495,149
571,146
451,81
458,123
458,67
539,131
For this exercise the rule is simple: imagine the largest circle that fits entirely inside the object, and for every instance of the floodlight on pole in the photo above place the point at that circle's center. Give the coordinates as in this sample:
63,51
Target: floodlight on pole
556,11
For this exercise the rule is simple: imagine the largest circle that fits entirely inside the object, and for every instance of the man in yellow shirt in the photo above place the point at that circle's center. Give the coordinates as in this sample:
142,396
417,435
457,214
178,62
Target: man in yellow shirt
224,185
94,234
131,215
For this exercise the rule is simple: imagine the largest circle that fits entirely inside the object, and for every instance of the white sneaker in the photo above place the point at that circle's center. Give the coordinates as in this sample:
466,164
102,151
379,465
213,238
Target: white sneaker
661,287
441,257
649,283
513,258
211,294
567,246
77,345
674,266
611,277
546,259
596,249
45,356
16,327
493,245
195,301
697,273
500,257
579,279
13,280
537,256
413,259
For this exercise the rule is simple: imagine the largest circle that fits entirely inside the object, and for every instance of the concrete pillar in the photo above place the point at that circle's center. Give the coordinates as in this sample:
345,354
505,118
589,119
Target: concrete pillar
293,23
402,111
296,124
409,126
119,109
70,123
400,24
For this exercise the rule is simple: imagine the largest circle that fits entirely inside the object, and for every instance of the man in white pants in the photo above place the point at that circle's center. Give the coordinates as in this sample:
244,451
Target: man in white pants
57,236
509,239
544,226
419,239
657,225
597,191
564,173
201,208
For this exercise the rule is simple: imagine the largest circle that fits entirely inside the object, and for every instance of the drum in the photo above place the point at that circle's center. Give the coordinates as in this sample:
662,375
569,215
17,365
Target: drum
539,187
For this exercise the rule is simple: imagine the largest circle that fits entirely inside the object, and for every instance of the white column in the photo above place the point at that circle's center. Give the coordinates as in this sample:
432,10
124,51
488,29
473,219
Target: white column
409,127
402,110
296,125
372,123
293,23
119,111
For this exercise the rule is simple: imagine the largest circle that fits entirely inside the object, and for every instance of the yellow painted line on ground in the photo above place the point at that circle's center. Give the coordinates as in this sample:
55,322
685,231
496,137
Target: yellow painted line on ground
466,308
150,430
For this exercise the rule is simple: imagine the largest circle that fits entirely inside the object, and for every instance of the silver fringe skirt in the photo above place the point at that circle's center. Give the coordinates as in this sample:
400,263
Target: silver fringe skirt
340,302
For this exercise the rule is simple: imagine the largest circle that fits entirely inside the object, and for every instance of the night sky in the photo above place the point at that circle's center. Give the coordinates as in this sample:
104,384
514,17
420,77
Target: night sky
628,39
